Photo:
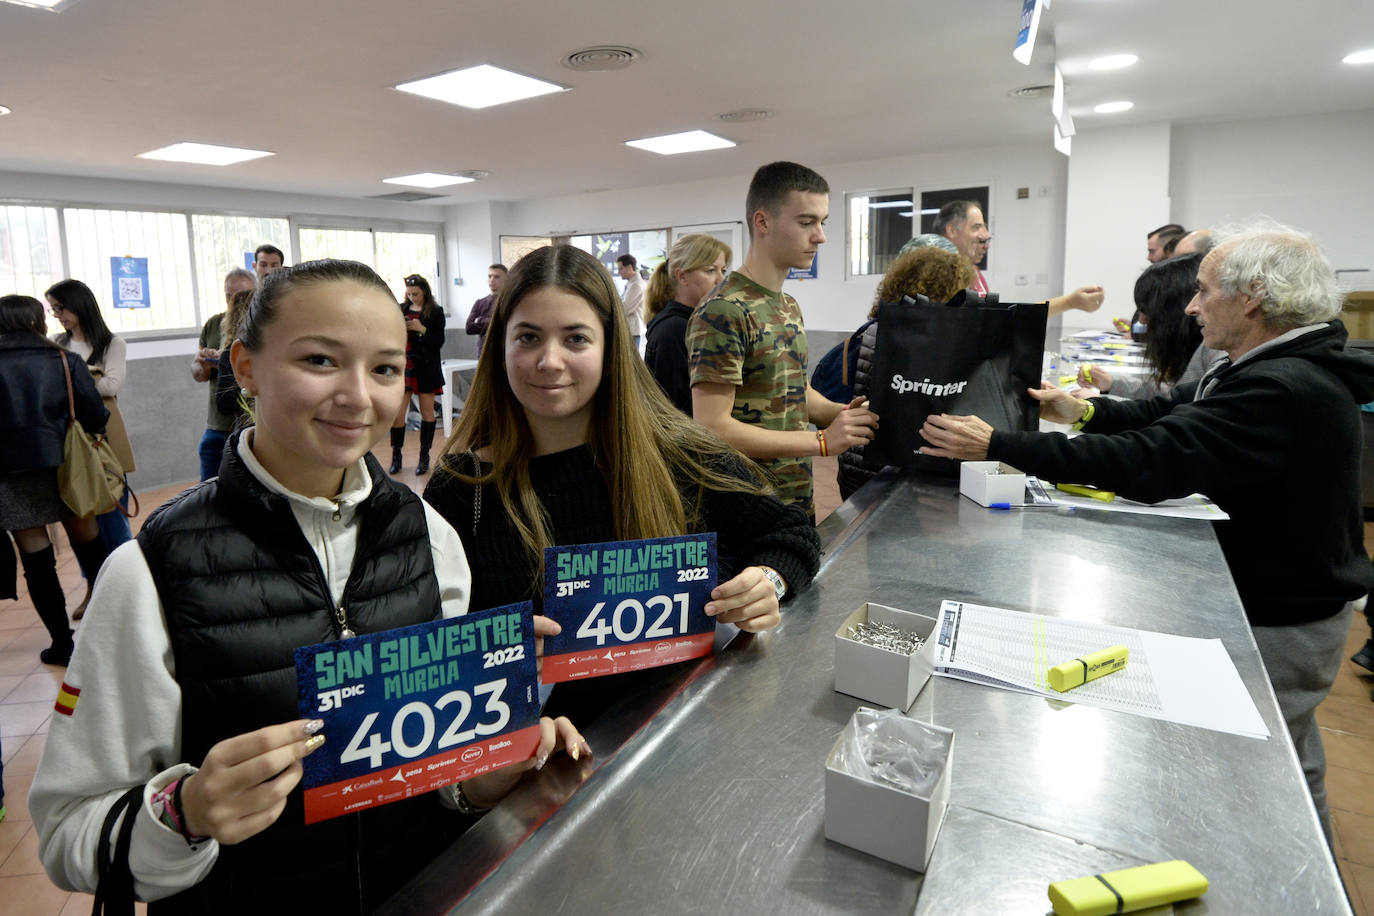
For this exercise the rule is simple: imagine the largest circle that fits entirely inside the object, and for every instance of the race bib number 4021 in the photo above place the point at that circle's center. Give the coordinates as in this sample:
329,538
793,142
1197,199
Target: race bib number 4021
627,605
412,709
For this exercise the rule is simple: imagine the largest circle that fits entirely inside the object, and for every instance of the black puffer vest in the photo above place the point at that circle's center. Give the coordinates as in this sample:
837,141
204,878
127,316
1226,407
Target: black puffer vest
241,589
853,472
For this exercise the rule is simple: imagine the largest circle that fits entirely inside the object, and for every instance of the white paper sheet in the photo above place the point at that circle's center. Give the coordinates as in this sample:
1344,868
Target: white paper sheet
1043,495
1174,678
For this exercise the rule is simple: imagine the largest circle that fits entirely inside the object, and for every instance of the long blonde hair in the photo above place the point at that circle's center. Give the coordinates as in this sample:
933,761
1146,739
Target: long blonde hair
640,442
690,252
234,317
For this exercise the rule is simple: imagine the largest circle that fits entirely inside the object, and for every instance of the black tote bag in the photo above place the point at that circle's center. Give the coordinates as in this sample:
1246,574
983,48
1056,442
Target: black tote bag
957,358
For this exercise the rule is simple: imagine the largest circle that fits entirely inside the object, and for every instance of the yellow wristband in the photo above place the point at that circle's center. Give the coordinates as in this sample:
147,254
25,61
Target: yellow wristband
1087,415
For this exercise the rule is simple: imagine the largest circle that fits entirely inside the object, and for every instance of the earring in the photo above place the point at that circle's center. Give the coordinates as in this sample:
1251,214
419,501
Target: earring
245,392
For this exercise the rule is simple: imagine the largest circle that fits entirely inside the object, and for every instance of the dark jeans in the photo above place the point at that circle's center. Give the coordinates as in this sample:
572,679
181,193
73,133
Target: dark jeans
114,525
211,450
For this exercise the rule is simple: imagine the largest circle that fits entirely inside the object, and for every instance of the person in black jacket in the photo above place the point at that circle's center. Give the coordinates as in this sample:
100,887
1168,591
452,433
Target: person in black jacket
1271,433
34,415
696,265
424,372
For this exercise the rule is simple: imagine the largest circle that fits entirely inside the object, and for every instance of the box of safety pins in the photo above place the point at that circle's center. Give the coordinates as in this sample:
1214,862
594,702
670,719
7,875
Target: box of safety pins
887,782
884,655
992,484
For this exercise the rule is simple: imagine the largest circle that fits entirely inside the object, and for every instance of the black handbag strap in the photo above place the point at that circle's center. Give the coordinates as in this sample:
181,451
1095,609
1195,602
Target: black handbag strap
114,894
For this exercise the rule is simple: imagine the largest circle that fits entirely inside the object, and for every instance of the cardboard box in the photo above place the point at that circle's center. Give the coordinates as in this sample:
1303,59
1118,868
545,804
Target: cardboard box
884,821
882,676
988,482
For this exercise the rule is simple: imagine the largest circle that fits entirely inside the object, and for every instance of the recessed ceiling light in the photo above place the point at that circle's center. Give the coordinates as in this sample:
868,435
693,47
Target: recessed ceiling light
689,141
1113,62
479,87
1113,107
428,180
40,4
204,154
1359,57
3,111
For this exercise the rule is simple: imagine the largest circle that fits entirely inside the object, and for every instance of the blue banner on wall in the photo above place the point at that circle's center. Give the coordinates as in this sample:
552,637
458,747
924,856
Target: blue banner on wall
130,282
410,710
810,273
628,605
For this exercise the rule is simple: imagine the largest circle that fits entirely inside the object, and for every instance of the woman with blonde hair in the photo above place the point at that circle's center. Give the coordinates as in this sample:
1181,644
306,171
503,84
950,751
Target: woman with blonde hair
696,265
566,439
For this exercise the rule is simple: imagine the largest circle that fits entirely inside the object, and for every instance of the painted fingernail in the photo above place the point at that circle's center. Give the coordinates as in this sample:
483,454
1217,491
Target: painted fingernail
586,748
313,742
573,752
540,761
313,726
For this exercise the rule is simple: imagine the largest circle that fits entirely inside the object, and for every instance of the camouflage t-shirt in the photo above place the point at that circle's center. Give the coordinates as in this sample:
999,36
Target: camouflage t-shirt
752,339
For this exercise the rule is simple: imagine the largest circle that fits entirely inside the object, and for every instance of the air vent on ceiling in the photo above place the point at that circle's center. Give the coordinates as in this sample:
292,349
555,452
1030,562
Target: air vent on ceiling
740,115
1032,92
406,196
605,57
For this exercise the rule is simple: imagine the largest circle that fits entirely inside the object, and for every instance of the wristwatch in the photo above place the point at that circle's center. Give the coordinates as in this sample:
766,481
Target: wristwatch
779,586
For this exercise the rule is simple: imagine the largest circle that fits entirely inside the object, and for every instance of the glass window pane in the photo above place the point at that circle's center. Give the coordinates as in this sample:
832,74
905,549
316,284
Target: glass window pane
225,242
96,236
30,250
878,226
347,244
400,254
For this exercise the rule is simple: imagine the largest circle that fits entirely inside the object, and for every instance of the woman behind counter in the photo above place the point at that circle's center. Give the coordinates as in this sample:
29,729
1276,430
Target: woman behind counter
183,692
695,266
424,372
33,426
566,439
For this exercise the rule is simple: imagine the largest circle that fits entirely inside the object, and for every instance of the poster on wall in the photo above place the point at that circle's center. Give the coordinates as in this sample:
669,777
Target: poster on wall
129,279
606,248
809,273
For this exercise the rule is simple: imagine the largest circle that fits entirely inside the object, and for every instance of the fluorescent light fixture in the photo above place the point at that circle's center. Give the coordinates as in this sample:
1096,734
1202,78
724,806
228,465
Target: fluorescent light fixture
1359,57
41,4
689,141
1113,62
204,154
1113,107
907,213
480,87
428,180
890,203
1030,24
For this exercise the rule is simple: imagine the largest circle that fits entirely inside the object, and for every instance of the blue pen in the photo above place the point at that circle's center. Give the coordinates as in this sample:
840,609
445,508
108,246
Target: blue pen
1000,506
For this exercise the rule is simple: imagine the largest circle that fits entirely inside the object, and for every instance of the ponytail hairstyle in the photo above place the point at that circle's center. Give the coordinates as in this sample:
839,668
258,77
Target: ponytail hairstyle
642,445
76,297
422,285
690,252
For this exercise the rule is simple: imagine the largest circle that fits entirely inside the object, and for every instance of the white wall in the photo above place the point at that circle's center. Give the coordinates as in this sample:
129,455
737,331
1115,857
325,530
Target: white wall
1118,191
1315,173
1027,240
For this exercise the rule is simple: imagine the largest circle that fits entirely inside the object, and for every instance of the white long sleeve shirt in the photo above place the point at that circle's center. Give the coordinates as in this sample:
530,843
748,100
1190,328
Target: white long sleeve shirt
125,729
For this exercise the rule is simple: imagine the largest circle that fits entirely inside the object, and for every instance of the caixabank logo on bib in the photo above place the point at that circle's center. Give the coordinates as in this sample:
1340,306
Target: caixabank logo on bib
926,386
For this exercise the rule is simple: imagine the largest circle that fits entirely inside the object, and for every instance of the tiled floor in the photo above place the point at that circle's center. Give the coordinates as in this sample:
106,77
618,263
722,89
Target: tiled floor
28,689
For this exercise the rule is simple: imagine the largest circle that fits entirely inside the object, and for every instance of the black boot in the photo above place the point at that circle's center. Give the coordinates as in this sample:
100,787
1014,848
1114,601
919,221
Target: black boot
90,556
426,440
45,591
398,439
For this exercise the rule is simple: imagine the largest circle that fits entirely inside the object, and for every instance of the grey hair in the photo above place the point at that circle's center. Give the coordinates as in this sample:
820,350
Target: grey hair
239,273
1281,266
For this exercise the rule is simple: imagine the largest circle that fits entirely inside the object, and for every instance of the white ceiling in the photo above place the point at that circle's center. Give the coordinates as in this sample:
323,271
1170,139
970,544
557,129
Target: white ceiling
95,85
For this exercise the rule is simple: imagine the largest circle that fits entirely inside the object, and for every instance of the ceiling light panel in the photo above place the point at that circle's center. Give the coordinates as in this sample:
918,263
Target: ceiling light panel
204,154
1113,62
428,180
1113,107
54,5
480,87
689,141
1359,57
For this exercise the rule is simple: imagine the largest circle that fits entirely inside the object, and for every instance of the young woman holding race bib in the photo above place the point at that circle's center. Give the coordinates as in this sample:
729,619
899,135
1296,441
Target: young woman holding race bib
182,692
567,439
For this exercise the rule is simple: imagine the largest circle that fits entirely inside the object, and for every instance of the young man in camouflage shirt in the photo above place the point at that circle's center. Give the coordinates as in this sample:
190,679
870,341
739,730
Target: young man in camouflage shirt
746,343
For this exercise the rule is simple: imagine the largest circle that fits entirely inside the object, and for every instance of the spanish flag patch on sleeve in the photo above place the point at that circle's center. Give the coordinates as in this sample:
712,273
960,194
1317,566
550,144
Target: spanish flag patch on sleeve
66,699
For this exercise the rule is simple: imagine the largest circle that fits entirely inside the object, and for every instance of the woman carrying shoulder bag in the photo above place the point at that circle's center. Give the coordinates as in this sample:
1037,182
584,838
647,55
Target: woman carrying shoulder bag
34,416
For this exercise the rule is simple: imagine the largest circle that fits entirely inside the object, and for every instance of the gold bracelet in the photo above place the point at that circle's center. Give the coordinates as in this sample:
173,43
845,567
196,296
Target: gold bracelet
820,437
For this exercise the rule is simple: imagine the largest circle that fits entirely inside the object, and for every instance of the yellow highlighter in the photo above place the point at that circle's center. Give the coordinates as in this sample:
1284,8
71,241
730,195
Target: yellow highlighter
1090,667
1088,373
1105,496
1128,889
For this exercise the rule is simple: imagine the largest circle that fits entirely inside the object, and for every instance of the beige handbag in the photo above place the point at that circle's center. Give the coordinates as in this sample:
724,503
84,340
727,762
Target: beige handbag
90,479
115,430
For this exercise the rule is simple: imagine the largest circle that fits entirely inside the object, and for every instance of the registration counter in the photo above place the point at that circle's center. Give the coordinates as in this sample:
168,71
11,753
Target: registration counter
706,794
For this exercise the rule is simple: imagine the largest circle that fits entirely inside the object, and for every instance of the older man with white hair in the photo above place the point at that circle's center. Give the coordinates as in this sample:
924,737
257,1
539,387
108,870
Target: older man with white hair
1271,433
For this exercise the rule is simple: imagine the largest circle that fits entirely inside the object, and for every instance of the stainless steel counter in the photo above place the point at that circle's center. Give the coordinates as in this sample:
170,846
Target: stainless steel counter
706,793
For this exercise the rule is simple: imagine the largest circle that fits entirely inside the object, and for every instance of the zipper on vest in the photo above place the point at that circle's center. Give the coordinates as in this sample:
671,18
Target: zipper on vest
341,618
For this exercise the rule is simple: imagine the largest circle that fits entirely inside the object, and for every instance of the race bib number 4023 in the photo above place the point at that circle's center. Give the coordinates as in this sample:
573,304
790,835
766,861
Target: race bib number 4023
412,709
627,605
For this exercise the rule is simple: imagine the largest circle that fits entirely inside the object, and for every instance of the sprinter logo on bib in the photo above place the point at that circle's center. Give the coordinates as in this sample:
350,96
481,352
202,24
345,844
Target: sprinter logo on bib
926,386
